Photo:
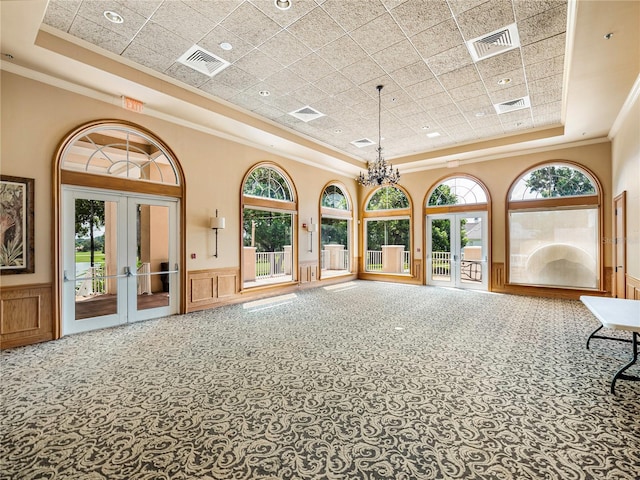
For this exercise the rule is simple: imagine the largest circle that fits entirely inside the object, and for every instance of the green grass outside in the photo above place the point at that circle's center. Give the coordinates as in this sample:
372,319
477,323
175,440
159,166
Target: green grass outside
85,257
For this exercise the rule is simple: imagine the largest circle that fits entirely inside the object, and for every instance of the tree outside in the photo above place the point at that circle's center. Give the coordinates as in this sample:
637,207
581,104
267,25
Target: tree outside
557,181
388,232
387,198
89,218
270,231
334,231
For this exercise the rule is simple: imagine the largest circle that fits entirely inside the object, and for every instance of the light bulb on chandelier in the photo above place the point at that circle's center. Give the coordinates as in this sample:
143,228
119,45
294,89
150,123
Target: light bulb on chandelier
378,172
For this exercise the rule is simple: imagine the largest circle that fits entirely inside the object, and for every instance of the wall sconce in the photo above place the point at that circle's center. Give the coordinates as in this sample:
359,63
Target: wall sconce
311,227
216,223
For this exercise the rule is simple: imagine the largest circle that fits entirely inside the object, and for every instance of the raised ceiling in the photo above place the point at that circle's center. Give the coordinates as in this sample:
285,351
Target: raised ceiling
330,55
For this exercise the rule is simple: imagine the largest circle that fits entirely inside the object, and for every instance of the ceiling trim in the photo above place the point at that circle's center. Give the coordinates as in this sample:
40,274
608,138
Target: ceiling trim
572,21
632,98
512,140
510,154
116,101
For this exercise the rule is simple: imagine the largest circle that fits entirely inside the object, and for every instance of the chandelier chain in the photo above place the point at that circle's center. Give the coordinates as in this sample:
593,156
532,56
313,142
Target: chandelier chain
378,172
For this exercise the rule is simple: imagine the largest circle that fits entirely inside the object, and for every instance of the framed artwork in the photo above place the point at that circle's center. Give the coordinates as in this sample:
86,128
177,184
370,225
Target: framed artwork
16,225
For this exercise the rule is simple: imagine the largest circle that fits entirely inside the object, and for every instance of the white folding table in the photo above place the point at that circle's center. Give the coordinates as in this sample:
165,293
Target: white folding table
618,314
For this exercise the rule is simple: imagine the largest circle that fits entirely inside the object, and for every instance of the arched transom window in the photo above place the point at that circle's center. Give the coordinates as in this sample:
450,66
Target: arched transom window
388,198
333,197
457,191
553,181
554,225
266,182
119,151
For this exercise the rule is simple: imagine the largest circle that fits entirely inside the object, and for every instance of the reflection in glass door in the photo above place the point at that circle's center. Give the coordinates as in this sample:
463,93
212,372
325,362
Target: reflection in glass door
119,259
457,250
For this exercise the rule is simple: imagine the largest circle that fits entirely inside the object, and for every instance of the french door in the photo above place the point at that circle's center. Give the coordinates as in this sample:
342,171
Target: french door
457,250
120,259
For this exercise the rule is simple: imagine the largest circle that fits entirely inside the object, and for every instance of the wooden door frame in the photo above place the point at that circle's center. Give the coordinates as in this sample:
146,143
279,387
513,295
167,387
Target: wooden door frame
620,291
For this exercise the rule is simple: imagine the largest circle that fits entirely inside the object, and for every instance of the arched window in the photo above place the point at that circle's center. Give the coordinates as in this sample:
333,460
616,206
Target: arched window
554,228
268,217
457,237
335,231
457,191
333,197
266,182
387,231
119,151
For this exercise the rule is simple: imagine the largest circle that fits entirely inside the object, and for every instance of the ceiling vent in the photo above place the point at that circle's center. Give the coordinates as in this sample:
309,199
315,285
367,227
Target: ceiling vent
363,142
498,41
202,61
512,105
306,114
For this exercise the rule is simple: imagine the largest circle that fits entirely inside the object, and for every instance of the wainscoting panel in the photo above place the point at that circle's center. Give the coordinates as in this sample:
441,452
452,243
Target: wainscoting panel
633,287
497,277
227,285
25,315
417,269
206,288
308,272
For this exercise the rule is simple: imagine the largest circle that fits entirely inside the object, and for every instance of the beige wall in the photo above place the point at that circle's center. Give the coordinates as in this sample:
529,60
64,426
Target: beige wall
36,118
498,175
626,177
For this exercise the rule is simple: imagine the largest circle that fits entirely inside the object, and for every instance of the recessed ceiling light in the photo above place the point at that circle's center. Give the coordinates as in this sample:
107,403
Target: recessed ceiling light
399,328
504,81
433,134
480,114
426,127
265,93
226,46
283,4
113,17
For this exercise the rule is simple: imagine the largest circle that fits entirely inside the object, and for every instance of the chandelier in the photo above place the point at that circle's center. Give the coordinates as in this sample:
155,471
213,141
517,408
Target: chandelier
378,172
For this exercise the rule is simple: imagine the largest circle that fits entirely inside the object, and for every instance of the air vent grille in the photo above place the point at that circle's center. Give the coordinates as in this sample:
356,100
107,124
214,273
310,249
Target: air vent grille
363,142
512,105
498,41
203,61
306,114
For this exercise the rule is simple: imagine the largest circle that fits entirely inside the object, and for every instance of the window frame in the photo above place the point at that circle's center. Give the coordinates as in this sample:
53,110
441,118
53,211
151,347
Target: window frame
386,214
336,214
269,204
593,201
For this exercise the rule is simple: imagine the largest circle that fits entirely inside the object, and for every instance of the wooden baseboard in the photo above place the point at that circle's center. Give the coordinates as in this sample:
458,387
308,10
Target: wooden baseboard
26,315
633,287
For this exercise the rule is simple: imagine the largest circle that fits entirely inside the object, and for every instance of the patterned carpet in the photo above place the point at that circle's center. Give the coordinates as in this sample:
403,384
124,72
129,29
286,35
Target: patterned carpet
366,380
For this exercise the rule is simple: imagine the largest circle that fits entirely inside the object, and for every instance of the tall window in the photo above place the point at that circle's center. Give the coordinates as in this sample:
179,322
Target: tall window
335,227
387,219
268,219
554,225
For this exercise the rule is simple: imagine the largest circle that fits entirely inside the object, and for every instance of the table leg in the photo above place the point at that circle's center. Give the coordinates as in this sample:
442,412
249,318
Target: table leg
620,374
592,335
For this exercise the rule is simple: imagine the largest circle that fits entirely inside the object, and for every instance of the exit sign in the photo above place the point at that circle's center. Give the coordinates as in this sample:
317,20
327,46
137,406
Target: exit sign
132,104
